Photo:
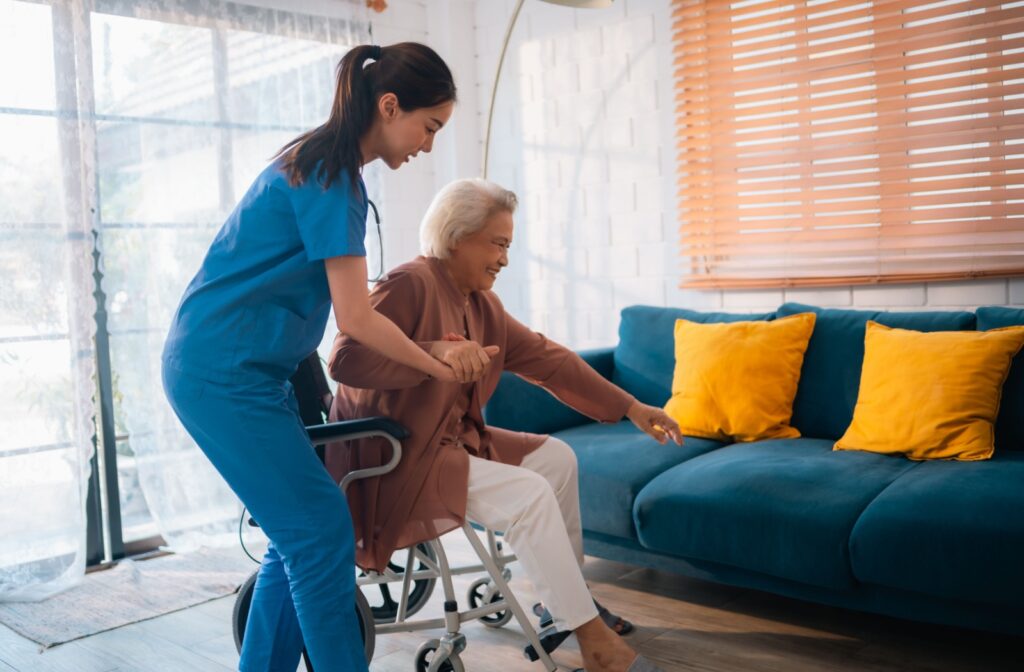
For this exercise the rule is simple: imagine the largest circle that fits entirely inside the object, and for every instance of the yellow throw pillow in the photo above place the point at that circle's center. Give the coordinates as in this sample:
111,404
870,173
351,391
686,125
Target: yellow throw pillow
931,396
736,381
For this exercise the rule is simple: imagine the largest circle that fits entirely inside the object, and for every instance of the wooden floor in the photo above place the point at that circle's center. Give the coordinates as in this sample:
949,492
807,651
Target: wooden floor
682,624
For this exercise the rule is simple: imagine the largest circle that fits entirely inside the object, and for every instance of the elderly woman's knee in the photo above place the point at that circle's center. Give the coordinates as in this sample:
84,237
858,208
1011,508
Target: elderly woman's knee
535,490
563,455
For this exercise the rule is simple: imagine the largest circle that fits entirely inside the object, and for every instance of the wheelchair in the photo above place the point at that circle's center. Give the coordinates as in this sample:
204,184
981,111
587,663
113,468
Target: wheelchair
415,570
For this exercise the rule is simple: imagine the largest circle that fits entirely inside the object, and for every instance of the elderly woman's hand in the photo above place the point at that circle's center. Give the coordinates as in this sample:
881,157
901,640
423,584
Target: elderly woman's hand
468,359
655,423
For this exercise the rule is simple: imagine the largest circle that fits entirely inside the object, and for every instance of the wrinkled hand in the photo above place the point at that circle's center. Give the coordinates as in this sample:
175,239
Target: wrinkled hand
468,360
655,423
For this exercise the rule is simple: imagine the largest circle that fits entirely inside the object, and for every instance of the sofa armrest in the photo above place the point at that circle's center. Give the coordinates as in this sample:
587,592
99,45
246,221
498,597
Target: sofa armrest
523,407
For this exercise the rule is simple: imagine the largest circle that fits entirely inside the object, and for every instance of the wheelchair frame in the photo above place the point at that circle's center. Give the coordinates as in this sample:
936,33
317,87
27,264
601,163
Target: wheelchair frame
438,654
447,648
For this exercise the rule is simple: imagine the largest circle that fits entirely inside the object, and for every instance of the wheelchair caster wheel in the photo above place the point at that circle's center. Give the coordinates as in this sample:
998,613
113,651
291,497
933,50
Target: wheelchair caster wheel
240,614
425,656
481,593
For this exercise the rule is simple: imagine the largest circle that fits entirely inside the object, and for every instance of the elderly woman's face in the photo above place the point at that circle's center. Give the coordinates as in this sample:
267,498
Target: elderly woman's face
476,259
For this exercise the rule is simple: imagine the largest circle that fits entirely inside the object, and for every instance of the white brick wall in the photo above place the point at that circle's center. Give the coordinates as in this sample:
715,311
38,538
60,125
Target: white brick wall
583,132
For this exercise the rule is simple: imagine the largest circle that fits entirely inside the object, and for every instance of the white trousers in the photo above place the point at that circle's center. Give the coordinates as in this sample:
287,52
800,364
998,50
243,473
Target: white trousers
537,506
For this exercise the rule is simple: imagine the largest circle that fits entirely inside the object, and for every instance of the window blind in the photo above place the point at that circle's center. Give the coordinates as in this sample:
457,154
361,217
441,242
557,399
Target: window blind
839,142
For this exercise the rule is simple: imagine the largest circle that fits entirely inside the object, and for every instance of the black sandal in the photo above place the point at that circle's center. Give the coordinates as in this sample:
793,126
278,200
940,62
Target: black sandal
616,623
620,625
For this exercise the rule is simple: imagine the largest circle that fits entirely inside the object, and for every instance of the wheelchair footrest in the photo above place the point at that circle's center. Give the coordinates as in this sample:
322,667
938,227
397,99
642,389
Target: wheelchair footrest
550,639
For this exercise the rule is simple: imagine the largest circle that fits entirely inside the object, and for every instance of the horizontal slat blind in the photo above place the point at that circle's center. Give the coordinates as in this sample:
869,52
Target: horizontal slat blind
836,142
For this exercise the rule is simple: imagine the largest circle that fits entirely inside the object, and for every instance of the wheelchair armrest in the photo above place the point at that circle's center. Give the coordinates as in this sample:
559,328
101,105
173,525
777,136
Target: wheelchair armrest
356,429
337,431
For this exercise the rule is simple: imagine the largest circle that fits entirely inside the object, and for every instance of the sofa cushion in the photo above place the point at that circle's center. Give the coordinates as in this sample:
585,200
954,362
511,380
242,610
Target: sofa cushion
645,356
783,507
952,529
615,463
931,396
1010,423
830,376
736,382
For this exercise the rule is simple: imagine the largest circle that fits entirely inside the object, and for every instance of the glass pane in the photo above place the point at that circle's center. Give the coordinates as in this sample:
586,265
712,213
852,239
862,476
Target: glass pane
45,348
280,81
30,170
33,302
157,173
26,39
146,271
46,484
37,396
251,151
152,69
160,206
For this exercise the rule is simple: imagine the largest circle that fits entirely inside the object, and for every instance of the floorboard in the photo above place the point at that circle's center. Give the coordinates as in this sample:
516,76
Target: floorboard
682,624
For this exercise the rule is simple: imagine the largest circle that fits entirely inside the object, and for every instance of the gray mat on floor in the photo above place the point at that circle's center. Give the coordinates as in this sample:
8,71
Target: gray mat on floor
129,592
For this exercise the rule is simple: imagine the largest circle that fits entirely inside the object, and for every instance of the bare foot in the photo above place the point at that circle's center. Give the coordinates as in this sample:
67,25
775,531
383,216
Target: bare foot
603,650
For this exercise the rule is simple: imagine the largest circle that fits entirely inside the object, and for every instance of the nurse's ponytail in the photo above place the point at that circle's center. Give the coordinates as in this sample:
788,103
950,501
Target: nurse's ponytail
413,72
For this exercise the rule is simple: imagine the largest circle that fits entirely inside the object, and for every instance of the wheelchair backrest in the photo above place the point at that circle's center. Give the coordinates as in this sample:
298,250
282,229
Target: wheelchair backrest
312,390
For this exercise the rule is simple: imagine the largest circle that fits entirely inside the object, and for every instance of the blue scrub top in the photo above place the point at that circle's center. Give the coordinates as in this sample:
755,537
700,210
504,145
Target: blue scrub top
259,303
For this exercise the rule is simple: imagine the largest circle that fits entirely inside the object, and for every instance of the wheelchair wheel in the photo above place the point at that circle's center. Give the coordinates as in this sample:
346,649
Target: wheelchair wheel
480,593
425,655
383,605
240,615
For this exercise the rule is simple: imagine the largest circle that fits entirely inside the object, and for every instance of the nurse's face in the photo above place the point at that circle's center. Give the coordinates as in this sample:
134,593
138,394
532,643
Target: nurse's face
404,134
475,261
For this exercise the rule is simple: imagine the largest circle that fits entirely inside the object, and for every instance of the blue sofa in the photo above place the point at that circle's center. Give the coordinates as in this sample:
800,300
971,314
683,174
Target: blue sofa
937,541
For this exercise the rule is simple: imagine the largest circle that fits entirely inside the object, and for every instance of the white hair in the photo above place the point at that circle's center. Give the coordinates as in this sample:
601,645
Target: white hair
460,209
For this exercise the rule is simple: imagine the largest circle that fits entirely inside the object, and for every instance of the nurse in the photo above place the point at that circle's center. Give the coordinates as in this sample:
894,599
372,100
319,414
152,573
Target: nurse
292,249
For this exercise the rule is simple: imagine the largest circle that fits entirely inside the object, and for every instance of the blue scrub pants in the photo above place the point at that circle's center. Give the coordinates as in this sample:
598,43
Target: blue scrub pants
305,591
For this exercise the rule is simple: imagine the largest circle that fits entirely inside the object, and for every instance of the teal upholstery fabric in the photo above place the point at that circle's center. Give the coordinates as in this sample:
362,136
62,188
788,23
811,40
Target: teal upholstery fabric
1010,423
615,463
525,407
949,529
830,378
781,507
894,602
645,357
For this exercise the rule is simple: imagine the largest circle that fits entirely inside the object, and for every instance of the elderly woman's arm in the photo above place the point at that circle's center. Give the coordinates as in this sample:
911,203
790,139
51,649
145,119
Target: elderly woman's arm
564,374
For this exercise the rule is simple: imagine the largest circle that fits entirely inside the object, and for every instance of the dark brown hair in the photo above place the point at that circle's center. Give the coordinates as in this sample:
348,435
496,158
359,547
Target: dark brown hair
412,71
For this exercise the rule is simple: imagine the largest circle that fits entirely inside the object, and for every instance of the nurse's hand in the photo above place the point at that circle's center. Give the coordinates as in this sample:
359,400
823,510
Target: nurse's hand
467,359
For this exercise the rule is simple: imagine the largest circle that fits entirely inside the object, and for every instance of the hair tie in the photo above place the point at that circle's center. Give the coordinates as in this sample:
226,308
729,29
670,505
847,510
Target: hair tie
376,52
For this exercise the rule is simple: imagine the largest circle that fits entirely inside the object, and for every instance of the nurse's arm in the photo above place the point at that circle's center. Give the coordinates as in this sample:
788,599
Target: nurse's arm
400,297
347,279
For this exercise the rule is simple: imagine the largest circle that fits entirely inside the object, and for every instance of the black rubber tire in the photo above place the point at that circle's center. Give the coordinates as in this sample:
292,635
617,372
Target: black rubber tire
475,597
240,615
424,655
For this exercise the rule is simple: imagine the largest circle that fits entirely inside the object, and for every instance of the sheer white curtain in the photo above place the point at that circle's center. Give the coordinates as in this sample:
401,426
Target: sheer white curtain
156,124
46,306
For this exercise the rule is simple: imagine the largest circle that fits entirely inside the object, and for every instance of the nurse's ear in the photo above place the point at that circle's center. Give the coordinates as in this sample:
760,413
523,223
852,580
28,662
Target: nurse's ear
387,107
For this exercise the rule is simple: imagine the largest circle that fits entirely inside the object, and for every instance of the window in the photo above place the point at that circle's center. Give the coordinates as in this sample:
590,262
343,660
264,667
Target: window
841,142
130,130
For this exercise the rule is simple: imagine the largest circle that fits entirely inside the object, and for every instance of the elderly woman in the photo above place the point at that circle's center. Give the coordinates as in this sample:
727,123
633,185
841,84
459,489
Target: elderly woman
454,466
